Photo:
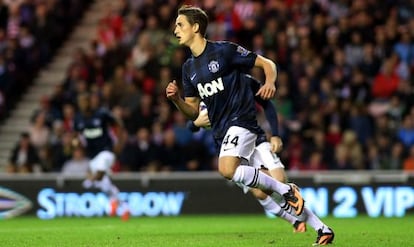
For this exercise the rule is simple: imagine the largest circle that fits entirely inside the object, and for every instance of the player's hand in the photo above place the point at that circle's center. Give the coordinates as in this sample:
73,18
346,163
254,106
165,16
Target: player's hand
267,91
202,120
276,144
172,91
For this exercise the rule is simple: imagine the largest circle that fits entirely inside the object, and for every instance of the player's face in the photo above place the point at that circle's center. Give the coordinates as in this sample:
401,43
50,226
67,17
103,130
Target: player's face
184,31
83,103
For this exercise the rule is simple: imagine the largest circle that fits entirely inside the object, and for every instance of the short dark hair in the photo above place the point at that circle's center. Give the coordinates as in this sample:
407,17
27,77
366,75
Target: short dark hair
25,134
195,15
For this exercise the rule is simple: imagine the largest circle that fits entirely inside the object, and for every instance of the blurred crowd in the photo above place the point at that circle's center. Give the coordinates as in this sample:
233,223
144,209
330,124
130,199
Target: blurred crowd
30,33
345,90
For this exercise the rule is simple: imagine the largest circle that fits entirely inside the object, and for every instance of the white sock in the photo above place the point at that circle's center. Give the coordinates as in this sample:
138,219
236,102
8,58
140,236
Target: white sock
280,200
272,207
106,186
315,222
252,177
269,205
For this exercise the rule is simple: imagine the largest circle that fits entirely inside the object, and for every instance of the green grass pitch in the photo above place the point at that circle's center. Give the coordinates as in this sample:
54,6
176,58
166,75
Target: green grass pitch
200,231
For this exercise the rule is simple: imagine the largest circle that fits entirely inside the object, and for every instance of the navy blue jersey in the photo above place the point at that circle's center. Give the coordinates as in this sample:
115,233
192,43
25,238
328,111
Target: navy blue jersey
215,77
95,130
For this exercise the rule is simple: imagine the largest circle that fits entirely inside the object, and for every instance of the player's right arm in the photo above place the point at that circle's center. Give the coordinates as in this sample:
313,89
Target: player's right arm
241,57
268,90
188,106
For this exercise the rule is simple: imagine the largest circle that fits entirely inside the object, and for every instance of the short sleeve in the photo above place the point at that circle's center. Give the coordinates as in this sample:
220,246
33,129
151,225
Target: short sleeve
239,56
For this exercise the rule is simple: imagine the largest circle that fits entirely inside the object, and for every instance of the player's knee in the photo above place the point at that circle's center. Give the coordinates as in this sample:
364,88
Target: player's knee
226,173
99,175
279,174
227,166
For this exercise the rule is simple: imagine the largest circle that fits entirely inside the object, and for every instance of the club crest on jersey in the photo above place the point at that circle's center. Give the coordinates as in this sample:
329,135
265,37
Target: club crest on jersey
244,52
213,66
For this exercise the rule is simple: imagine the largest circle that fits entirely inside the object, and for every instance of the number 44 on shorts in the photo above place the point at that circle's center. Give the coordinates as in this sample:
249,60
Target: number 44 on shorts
234,141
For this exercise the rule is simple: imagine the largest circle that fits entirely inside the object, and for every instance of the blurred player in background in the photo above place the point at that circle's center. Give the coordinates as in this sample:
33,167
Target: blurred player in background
213,74
95,126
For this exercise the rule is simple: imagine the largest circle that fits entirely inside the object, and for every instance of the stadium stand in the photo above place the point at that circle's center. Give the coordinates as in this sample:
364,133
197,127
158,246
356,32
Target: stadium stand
345,89
34,35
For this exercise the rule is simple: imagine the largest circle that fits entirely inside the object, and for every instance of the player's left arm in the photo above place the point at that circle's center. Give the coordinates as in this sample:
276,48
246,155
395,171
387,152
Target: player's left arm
113,121
271,116
116,128
202,121
268,90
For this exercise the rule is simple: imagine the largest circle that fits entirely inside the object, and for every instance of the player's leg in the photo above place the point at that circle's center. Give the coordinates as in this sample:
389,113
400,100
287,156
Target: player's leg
100,167
325,233
270,205
239,143
264,157
279,174
105,185
269,162
273,208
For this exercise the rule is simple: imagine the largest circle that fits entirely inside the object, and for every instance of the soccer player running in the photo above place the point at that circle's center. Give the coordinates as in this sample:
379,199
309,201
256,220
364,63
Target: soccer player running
93,125
212,74
265,157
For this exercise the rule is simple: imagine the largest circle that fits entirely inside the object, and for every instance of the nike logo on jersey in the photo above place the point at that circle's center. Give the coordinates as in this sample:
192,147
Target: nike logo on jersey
193,76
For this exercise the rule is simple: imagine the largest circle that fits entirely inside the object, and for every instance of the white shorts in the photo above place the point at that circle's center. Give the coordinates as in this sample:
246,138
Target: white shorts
263,157
103,161
238,142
